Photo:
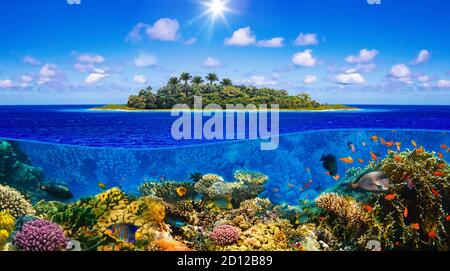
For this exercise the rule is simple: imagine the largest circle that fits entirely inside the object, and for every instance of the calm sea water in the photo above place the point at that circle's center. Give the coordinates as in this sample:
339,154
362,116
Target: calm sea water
75,125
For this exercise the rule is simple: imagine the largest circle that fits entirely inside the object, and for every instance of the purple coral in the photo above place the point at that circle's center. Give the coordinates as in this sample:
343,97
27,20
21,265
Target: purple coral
225,235
40,235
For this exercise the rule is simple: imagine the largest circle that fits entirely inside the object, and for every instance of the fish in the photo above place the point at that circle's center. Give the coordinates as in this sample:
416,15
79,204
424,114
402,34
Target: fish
372,181
347,160
360,160
374,138
435,192
440,155
447,218
415,226
414,143
443,146
57,191
307,185
308,169
398,158
364,144
405,212
441,166
330,164
439,174
122,232
351,146
102,185
432,234
297,245
386,143
176,221
321,218
399,146
221,203
374,156
310,180
390,197
336,178
368,208
419,150
181,191
448,150
196,177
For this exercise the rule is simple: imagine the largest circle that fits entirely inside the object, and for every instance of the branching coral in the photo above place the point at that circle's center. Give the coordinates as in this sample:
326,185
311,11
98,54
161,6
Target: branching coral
14,202
6,227
40,235
347,210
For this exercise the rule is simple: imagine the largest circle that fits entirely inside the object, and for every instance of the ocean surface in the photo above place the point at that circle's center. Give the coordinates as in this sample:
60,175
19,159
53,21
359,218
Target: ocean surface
76,125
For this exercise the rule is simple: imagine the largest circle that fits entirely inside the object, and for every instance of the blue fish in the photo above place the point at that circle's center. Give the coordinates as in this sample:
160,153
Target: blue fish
123,232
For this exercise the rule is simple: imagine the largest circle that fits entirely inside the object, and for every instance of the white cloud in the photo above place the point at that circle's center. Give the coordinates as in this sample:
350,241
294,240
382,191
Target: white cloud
190,41
6,83
211,63
88,58
72,2
135,33
164,29
46,73
350,79
309,79
26,78
400,71
145,60
140,79
443,84
304,59
274,42
95,77
422,57
366,67
259,80
423,79
241,37
306,39
364,56
31,60
84,67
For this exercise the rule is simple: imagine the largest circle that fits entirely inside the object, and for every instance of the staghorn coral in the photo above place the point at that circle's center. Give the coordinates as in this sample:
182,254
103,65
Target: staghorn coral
40,235
347,210
14,202
167,190
225,235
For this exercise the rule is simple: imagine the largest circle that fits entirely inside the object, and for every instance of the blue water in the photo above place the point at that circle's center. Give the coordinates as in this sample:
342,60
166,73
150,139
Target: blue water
129,146
75,125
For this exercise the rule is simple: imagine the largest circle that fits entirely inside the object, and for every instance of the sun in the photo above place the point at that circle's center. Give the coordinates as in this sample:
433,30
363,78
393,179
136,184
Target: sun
216,9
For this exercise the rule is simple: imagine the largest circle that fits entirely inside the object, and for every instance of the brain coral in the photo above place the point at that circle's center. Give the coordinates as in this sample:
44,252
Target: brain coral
14,202
40,235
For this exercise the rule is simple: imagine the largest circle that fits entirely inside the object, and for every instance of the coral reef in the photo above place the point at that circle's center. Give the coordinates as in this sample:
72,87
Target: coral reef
346,210
6,228
40,235
225,235
167,190
14,202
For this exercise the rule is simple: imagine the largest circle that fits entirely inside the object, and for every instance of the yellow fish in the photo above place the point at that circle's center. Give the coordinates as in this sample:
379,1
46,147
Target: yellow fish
102,185
181,191
414,143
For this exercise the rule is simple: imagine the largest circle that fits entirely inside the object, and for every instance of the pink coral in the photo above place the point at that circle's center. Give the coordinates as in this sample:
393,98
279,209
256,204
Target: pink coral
40,235
225,235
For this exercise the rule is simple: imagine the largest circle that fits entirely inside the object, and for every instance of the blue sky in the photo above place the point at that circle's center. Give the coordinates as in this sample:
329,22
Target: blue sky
396,52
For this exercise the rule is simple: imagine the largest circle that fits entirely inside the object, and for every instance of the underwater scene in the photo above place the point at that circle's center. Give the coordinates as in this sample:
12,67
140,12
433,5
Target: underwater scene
329,190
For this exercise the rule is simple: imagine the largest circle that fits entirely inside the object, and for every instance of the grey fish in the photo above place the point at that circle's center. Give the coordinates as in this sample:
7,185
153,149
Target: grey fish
373,181
57,190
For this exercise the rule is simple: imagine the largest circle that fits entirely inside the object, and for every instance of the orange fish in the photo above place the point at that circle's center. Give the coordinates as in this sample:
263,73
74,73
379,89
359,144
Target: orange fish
440,155
321,218
439,174
444,146
375,138
390,197
414,143
307,185
399,146
398,158
415,226
368,208
360,160
419,150
432,234
441,166
435,193
374,156
405,212
447,218
336,178
347,160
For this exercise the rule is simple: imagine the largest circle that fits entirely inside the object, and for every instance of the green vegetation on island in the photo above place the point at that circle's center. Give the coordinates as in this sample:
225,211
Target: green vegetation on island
181,90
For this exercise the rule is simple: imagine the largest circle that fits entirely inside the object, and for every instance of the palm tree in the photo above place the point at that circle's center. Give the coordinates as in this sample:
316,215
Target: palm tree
212,77
226,82
185,76
173,81
197,80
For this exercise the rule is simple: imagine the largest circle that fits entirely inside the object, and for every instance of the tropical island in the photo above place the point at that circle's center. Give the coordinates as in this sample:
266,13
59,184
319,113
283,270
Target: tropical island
181,90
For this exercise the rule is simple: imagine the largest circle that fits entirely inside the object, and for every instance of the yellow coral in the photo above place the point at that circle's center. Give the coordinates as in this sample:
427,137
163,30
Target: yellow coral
346,209
6,227
154,210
